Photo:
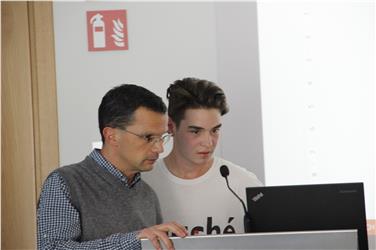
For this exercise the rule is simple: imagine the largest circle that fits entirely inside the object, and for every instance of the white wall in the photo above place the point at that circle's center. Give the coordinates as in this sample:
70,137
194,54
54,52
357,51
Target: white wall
238,70
317,84
167,41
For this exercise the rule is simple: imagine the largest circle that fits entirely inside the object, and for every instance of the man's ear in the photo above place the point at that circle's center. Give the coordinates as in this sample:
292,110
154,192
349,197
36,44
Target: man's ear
171,126
110,136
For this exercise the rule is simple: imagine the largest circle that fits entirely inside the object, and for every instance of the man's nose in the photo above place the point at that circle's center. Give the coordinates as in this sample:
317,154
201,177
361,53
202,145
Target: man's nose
207,140
158,146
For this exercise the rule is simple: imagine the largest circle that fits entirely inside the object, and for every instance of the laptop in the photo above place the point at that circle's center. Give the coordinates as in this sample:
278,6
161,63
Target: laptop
308,207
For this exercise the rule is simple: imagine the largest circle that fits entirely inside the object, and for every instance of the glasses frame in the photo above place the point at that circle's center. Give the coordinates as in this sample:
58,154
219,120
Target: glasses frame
151,139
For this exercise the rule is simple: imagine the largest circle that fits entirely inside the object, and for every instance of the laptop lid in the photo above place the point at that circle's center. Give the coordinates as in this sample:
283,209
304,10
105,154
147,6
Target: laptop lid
308,207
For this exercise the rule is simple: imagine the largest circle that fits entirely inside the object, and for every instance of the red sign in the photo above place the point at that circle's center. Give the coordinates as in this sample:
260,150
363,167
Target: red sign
107,30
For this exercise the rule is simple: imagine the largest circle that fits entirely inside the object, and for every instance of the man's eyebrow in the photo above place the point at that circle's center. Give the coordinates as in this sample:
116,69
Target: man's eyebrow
218,126
200,128
195,127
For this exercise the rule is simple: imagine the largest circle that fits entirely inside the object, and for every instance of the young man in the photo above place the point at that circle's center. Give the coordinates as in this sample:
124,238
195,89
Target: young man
101,202
188,182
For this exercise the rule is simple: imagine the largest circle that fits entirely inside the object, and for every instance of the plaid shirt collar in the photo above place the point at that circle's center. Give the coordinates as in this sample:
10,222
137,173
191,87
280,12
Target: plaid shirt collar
98,157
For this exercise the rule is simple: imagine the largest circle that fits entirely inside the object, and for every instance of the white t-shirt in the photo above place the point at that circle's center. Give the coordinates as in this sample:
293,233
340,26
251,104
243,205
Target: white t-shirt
204,205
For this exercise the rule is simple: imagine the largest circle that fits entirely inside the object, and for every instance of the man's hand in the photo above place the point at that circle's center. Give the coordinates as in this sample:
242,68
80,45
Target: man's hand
159,232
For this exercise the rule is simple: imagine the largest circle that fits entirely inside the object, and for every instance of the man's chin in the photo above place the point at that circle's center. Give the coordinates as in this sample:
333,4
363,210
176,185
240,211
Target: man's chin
148,165
203,160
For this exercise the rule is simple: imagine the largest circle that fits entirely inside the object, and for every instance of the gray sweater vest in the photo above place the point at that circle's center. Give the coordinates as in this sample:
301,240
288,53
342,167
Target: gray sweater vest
106,206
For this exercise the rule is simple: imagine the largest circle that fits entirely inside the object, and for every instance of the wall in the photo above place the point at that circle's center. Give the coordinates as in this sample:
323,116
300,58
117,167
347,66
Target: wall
318,93
238,71
167,41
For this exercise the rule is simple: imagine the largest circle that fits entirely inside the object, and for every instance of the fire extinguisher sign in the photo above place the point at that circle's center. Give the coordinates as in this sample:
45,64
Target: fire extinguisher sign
107,30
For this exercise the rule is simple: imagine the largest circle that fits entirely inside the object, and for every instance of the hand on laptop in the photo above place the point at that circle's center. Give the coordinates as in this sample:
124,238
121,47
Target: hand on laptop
158,233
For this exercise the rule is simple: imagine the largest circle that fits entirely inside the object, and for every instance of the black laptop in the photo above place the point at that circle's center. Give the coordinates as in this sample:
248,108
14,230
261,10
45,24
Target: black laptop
308,207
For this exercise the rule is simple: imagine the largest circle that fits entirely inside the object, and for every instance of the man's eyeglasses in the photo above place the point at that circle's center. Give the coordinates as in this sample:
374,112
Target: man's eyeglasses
151,139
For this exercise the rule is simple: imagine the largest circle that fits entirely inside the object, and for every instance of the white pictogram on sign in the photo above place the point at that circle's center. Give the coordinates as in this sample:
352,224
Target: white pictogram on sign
118,34
99,38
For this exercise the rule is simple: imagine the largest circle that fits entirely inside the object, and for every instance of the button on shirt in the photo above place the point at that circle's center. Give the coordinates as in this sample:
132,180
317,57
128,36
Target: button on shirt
59,225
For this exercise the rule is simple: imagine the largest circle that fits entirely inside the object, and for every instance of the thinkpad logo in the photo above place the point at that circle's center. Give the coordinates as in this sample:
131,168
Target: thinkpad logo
257,197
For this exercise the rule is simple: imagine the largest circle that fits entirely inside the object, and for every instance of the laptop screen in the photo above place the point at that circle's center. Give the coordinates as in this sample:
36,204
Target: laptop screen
308,207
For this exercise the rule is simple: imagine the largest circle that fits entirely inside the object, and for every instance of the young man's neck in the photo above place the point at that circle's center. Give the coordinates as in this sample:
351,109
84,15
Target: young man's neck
185,169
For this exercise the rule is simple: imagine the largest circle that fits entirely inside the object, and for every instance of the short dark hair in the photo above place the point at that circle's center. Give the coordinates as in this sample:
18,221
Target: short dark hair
193,93
119,104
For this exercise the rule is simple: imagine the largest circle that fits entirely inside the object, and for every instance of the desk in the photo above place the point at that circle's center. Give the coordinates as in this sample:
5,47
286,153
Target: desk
307,240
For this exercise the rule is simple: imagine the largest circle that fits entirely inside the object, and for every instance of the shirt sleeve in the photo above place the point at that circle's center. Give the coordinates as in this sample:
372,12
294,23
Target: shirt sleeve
59,226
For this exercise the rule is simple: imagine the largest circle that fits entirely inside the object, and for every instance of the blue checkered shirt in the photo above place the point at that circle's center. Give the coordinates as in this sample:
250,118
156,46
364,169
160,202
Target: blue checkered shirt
59,225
